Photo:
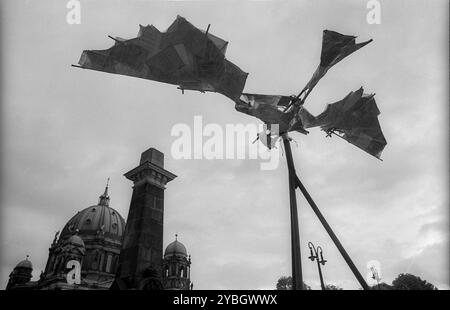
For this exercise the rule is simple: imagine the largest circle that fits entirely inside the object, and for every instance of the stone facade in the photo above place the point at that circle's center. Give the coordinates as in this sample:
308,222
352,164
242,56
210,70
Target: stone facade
113,254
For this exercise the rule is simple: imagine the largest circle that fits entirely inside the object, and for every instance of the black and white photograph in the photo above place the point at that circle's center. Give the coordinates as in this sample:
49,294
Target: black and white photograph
253,146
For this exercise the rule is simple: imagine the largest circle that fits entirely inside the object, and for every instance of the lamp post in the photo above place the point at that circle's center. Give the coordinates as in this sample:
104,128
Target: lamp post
316,254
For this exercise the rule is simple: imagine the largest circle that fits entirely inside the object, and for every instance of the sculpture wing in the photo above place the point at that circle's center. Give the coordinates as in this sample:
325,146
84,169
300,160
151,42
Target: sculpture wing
183,55
355,119
335,47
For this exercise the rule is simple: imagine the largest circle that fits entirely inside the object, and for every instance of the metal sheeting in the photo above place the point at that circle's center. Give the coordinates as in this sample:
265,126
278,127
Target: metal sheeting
195,60
271,109
355,119
268,108
183,56
335,47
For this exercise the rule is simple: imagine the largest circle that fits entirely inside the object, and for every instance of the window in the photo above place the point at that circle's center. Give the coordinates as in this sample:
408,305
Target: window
108,263
101,266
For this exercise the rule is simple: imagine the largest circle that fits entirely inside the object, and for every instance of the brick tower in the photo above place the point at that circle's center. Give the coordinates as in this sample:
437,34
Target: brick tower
142,247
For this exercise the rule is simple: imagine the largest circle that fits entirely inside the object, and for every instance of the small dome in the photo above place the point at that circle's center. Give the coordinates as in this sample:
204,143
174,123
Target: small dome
75,240
25,264
176,248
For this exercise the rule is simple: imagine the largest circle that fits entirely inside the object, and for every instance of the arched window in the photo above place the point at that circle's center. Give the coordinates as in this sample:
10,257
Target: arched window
167,271
108,263
181,272
115,263
59,266
50,263
87,260
55,265
101,266
95,261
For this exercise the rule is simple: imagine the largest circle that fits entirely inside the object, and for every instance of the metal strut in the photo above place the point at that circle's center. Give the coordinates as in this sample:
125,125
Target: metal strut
330,232
297,278
295,182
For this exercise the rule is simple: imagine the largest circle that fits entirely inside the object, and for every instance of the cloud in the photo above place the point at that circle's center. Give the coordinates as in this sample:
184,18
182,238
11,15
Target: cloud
430,264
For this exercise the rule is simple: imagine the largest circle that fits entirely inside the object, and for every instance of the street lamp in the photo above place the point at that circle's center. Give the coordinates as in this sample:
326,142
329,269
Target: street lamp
316,254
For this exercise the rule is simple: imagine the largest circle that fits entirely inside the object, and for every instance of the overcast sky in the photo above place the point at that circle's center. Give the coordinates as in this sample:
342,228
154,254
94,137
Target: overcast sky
65,130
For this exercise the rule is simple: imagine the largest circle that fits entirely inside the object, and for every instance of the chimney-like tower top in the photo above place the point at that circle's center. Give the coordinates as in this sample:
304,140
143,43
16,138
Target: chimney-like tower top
151,169
153,156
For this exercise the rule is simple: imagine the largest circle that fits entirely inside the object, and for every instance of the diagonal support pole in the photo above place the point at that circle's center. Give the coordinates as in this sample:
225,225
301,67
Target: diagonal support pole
330,232
294,182
297,279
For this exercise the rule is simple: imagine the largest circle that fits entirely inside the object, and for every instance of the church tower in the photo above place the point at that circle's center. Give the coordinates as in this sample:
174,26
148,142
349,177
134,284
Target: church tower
176,267
142,247
21,275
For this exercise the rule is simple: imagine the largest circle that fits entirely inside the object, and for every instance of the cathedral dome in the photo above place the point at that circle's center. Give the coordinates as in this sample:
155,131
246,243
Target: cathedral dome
25,264
97,220
175,248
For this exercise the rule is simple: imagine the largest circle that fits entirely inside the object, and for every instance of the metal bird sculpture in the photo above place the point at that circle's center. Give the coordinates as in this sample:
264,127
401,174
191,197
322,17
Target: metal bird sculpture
195,60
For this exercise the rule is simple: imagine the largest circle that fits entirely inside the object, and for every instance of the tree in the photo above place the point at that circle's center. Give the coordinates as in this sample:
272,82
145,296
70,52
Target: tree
285,283
406,281
332,287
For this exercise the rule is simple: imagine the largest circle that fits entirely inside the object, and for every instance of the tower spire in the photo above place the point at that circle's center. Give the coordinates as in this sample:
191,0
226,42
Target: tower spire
104,199
106,187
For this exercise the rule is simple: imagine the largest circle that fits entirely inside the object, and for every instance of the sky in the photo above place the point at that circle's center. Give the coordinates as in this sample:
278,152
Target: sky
66,130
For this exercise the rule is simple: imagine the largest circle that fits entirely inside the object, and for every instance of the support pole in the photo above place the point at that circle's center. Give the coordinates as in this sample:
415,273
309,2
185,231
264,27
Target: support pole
330,232
297,279
322,284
